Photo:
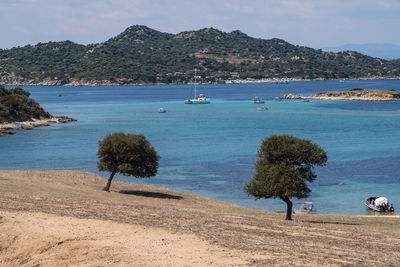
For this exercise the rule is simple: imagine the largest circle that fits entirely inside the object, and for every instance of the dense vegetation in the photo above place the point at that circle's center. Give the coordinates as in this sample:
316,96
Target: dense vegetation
16,105
140,54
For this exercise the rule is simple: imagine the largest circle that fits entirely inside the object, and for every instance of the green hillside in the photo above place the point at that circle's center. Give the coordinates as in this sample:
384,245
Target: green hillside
143,55
16,105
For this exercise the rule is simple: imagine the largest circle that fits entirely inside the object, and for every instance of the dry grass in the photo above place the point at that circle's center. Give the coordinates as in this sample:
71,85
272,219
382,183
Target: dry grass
259,237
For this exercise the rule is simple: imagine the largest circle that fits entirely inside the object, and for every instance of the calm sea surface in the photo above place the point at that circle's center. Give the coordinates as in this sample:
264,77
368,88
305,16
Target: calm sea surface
210,150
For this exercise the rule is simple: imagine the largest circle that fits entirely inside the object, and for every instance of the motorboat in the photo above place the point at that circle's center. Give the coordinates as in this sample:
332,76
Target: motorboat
197,99
258,100
304,207
262,108
380,204
161,110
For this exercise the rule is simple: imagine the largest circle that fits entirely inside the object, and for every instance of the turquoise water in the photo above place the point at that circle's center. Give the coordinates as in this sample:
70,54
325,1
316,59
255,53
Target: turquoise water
210,150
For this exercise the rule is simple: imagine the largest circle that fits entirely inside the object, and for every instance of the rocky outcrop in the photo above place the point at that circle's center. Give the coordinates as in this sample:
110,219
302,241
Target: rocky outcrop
291,96
354,94
10,128
63,119
359,94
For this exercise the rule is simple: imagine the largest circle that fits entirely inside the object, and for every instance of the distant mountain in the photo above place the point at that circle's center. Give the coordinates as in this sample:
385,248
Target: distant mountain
143,55
384,51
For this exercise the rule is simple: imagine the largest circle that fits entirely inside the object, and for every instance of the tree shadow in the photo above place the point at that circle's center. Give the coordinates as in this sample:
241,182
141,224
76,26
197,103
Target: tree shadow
325,222
149,194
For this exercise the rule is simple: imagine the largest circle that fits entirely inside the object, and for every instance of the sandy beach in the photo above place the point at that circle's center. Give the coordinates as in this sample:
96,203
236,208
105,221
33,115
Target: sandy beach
63,218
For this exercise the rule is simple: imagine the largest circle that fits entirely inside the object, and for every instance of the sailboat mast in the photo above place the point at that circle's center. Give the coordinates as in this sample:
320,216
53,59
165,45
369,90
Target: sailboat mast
195,83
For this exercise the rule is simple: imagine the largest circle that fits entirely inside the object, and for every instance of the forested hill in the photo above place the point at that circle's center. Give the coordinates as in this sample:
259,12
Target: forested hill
143,55
16,105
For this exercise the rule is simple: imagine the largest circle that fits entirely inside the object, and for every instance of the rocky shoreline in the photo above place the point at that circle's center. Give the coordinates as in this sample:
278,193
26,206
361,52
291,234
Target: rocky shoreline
15,80
354,94
12,127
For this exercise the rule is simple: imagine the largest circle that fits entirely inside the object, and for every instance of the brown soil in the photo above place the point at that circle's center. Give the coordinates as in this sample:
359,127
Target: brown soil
58,218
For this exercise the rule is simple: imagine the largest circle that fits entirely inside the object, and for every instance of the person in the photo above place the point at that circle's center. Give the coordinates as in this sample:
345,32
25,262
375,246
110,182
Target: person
390,208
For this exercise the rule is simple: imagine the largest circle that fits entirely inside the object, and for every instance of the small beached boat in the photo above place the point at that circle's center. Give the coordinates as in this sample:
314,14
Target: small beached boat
380,204
304,207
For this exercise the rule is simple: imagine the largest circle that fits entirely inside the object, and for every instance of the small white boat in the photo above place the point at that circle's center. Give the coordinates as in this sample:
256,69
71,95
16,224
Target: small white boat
200,99
262,108
304,207
197,99
161,110
258,100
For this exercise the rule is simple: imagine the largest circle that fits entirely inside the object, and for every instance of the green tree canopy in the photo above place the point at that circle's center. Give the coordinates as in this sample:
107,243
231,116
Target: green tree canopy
129,154
19,91
285,165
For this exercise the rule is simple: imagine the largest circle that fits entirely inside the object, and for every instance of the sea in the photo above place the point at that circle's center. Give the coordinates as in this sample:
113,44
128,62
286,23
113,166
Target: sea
210,150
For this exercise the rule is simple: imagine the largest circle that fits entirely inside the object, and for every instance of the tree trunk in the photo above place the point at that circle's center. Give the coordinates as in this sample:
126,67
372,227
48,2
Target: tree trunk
107,188
289,208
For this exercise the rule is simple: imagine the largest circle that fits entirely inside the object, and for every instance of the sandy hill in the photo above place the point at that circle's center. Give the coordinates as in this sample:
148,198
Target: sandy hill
59,218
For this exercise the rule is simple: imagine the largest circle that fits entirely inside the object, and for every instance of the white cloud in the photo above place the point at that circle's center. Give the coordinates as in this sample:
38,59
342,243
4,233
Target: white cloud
306,22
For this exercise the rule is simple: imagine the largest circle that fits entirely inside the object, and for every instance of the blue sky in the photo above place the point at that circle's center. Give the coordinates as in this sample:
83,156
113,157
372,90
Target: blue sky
313,23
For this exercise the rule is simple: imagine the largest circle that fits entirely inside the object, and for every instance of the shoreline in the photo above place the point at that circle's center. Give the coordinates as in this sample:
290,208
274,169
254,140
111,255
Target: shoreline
105,83
11,128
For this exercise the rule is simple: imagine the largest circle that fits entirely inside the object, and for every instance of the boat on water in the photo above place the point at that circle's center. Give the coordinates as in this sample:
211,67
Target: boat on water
262,108
304,207
161,110
197,99
258,100
380,204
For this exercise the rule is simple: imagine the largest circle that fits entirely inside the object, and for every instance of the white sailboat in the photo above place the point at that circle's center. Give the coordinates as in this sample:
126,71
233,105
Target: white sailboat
197,99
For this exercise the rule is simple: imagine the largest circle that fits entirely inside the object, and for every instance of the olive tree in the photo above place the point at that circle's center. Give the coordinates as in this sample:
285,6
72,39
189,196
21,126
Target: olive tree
128,154
285,165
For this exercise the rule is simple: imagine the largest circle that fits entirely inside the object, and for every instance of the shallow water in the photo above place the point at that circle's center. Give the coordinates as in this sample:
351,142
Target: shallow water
210,150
